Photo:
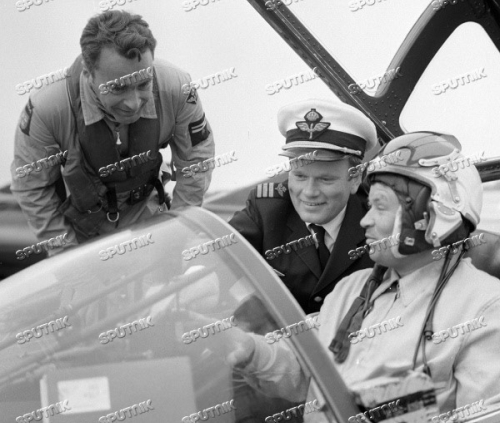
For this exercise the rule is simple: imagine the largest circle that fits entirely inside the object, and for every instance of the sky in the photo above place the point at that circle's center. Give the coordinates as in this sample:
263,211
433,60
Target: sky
225,34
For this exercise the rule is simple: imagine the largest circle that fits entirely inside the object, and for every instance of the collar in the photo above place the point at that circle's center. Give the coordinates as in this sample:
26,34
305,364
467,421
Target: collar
93,110
332,227
414,285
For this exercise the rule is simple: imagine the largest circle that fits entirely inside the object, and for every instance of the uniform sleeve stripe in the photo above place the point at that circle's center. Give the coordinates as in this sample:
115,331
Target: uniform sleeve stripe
259,191
199,123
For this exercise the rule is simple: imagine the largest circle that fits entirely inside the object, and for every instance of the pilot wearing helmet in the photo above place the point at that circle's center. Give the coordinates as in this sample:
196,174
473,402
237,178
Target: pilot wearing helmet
445,312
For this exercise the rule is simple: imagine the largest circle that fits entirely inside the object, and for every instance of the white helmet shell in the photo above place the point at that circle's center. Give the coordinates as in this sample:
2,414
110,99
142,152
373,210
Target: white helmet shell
435,160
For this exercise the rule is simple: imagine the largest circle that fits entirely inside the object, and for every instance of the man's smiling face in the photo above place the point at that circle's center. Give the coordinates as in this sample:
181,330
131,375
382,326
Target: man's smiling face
320,190
379,221
124,103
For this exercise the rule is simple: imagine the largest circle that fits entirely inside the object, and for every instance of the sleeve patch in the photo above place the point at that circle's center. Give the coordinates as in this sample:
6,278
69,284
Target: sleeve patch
198,131
25,120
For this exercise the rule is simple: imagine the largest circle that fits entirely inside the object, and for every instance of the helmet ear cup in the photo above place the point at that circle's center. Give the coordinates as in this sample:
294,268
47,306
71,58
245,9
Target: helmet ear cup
413,241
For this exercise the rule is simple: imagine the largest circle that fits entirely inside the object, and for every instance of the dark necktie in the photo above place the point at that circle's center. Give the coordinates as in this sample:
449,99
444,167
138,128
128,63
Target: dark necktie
323,252
354,318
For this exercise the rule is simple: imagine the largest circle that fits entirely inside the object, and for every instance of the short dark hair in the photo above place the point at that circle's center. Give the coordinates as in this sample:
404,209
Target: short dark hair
128,34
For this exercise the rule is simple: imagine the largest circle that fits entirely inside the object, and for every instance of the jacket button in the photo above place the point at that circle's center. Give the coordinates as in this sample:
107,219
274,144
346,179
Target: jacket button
318,299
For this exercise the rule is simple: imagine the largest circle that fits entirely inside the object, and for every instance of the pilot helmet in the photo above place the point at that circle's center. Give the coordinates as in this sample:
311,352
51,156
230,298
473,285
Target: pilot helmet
439,190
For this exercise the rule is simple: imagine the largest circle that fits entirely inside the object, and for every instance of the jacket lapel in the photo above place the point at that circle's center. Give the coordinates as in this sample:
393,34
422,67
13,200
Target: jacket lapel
351,236
308,255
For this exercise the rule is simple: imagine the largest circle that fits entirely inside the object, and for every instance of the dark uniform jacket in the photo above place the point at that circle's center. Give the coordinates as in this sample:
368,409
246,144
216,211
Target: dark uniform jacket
270,220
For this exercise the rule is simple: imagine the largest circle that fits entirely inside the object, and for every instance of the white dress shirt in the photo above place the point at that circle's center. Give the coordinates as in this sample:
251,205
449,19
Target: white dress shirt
332,229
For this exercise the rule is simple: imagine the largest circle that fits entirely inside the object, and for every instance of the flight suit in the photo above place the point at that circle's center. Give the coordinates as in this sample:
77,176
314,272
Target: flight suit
47,127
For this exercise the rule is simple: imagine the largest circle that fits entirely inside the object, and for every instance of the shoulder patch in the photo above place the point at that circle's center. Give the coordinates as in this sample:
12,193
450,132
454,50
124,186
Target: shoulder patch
271,190
192,96
25,120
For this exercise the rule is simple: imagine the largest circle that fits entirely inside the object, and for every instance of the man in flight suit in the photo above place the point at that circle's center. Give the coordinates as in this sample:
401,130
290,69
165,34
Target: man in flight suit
413,311
319,197
105,124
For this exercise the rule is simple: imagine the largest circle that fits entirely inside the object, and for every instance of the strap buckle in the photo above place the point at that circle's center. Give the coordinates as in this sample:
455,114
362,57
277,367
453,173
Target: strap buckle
111,220
98,210
163,207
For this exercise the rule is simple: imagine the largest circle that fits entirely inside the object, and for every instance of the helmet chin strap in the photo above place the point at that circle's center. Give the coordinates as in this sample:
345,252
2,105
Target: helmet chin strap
396,231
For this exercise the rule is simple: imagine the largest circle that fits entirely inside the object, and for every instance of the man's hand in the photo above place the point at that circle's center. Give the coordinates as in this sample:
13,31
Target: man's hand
234,345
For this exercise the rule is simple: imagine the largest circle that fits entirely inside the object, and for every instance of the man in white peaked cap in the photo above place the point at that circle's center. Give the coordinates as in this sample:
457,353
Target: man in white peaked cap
319,199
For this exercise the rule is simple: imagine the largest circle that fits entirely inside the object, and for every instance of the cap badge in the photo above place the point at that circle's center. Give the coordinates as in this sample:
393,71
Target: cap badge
312,123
